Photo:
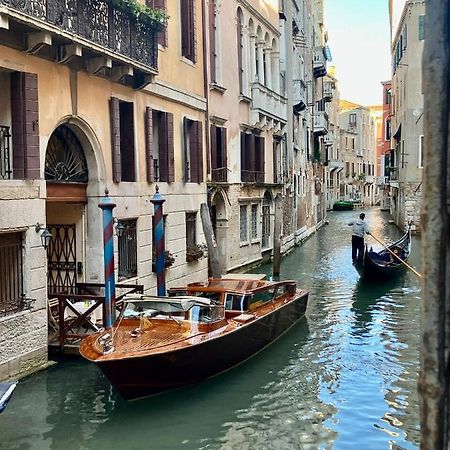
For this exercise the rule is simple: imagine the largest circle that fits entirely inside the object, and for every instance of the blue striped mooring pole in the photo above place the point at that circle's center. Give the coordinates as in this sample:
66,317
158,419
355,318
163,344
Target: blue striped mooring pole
109,309
158,231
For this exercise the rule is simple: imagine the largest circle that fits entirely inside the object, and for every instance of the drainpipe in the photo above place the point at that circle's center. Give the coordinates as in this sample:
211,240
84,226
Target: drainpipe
206,87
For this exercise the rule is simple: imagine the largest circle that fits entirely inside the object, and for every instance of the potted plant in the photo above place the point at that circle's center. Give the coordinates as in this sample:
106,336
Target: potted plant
196,252
169,259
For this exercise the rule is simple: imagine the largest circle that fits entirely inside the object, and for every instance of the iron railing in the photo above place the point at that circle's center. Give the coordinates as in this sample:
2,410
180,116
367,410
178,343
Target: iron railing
5,153
12,298
156,169
128,250
251,176
97,21
219,175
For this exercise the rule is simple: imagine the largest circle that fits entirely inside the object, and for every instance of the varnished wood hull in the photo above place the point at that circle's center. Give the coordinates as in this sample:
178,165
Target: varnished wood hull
141,376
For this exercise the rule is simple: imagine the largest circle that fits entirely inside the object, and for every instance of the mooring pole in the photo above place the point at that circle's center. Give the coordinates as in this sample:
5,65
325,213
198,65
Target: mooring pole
277,236
109,308
213,251
158,231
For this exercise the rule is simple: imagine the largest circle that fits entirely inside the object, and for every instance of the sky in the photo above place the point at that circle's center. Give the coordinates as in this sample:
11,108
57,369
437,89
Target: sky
358,37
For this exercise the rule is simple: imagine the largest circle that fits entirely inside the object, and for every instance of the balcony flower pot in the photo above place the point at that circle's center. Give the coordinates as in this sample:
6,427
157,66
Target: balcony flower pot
196,252
169,259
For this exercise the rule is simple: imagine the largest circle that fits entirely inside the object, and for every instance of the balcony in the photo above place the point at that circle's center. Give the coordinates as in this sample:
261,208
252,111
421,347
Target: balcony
219,175
327,91
320,123
97,35
369,179
267,104
299,98
250,176
319,63
382,181
336,164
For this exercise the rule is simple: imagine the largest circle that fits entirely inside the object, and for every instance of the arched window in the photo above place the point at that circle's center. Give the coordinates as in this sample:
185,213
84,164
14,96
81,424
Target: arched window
65,160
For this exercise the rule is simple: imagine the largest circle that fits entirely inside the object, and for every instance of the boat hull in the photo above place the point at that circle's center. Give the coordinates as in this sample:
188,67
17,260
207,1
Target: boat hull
146,375
343,206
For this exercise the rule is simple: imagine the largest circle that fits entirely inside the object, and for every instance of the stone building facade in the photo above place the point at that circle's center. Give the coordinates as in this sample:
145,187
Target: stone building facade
406,158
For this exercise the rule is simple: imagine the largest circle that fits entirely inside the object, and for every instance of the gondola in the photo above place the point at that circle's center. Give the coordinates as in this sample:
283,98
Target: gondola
382,264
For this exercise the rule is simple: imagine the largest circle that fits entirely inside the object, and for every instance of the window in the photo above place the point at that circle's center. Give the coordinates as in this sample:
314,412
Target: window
387,136
347,168
254,221
353,143
162,5
243,221
219,154
421,28
188,37
421,151
191,231
5,153
352,119
193,151
122,140
159,146
11,274
388,97
128,250
252,158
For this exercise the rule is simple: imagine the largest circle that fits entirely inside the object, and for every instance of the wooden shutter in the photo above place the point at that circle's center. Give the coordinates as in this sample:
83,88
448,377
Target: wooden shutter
149,144
186,162
213,143
239,48
243,163
199,146
170,148
25,125
193,152
115,139
224,156
212,40
163,158
193,31
185,27
251,152
127,141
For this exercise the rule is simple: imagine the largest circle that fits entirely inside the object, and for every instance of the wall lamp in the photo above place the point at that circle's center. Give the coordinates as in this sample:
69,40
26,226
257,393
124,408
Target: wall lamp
120,227
45,236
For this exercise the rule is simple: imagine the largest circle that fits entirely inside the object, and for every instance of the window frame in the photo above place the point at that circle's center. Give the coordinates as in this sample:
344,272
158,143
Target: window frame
122,273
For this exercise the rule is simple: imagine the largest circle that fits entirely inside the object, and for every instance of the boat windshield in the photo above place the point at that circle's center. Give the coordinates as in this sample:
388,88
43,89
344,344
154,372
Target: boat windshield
193,309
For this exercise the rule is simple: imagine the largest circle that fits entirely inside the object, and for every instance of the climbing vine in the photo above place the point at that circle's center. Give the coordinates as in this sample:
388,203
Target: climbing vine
152,17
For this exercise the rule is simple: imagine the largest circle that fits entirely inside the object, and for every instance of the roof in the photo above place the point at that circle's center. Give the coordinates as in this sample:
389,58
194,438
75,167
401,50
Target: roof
346,105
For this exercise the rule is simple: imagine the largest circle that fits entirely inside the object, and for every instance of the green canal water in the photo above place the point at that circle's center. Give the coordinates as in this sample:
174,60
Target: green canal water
342,378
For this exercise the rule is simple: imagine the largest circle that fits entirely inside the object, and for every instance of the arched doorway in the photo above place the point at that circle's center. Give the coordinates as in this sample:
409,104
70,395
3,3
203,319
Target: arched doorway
67,176
219,221
266,226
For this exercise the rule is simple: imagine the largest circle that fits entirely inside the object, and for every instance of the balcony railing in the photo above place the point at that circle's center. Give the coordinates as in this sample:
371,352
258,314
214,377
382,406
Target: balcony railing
5,153
219,175
250,176
320,123
319,63
267,103
95,22
299,98
327,92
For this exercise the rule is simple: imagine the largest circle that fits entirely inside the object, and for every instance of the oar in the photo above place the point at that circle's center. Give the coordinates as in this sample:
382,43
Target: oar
398,257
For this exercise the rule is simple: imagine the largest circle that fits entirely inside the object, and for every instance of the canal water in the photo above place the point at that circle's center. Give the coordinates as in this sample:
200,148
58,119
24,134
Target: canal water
342,378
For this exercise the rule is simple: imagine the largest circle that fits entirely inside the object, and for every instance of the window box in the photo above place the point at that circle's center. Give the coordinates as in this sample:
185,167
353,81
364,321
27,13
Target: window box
196,252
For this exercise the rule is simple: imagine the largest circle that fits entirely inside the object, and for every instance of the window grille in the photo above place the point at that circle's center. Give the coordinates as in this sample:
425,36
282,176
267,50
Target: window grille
11,274
191,237
243,224
254,221
128,250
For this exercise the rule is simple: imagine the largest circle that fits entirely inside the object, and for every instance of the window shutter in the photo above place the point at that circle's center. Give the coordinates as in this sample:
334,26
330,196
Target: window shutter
185,27
243,166
25,125
239,49
224,155
186,162
212,40
170,148
115,139
251,150
127,163
199,146
149,144
163,148
193,33
193,152
259,155
213,141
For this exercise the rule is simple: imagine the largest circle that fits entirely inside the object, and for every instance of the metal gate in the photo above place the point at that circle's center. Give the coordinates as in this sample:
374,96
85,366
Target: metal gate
62,261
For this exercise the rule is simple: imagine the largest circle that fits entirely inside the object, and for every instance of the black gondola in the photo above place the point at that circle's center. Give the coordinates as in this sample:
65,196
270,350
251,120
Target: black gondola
382,264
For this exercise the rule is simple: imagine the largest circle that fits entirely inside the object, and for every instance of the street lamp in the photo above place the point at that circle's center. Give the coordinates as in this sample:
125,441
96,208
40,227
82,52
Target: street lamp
45,236
120,228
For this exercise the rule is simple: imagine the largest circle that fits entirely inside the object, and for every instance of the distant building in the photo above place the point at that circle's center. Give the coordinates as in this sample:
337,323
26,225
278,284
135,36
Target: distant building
384,148
406,159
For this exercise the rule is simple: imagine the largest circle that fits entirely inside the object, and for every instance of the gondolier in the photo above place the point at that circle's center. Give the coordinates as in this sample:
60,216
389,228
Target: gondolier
360,228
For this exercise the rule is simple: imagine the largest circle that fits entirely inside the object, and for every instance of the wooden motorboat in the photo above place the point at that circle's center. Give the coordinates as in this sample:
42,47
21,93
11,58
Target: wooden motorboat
342,205
202,329
383,264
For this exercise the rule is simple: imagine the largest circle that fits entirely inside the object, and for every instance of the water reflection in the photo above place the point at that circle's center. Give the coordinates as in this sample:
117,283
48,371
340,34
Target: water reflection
343,378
